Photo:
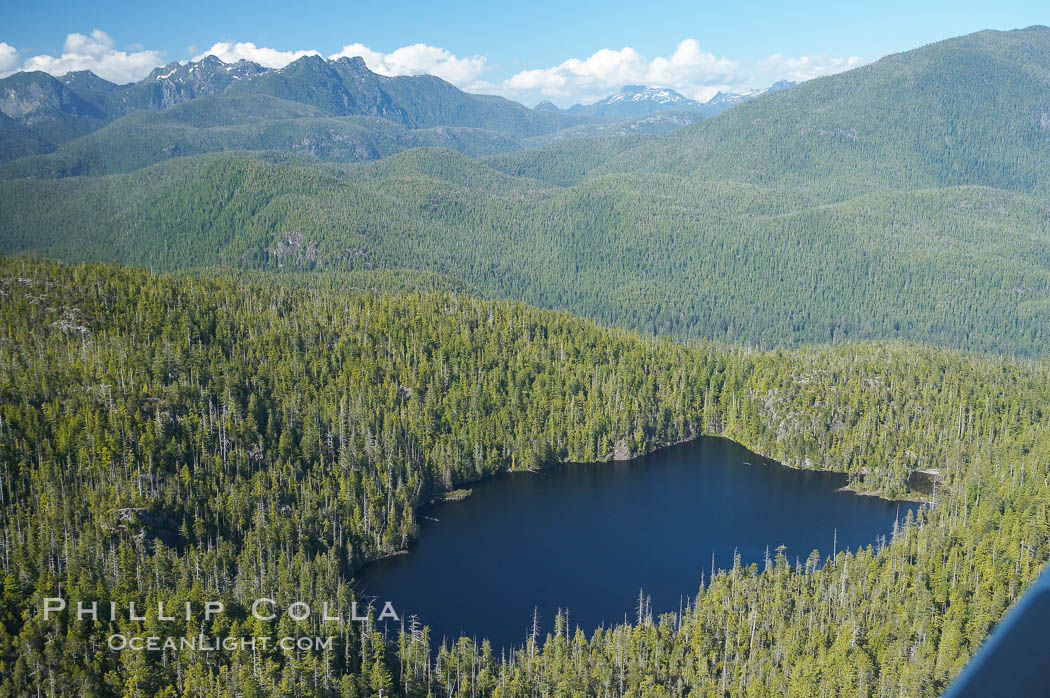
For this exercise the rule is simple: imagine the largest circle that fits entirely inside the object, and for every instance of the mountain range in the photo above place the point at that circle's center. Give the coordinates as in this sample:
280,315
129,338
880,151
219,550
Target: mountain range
634,100
44,112
907,198
356,115
641,101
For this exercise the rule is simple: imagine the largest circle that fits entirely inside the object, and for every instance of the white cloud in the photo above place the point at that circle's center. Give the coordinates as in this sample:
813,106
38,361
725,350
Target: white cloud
695,73
95,52
689,69
417,59
231,52
8,58
407,60
807,67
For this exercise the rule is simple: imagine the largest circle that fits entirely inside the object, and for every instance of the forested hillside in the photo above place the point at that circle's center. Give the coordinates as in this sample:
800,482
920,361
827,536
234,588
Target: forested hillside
763,265
186,438
969,110
212,124
905,199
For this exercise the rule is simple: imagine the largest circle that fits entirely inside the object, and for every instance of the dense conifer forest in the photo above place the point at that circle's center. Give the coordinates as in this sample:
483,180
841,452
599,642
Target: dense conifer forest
250,320
906,199
962,267
195,437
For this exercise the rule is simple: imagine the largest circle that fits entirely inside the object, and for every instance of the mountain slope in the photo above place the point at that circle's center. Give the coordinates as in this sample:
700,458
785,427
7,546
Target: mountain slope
636,106
18,141
762,225
48,108
212,124
633,100
57,110
971,110
346,87
659,123
960,266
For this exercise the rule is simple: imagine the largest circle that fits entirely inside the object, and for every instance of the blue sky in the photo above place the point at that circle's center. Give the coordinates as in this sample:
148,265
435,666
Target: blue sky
564,51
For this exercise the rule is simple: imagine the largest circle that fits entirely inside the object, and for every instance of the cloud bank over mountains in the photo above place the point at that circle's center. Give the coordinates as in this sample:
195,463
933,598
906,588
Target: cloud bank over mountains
231,52
420,58
689,69
96,52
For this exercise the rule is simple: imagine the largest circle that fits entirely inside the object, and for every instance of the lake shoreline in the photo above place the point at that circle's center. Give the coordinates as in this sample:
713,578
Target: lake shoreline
461,492
844,488
614,527
865,493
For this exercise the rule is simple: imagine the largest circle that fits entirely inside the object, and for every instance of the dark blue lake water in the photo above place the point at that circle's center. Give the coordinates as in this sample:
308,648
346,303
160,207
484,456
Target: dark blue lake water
587,536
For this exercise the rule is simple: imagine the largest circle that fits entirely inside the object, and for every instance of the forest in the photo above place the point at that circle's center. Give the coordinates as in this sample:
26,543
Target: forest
218,435
246,329
904,200
961,267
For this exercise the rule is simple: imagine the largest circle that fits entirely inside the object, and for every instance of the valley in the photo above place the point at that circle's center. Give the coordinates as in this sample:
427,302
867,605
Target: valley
646,396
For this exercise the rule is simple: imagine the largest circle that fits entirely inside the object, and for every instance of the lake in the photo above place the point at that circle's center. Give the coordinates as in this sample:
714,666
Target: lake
587,536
